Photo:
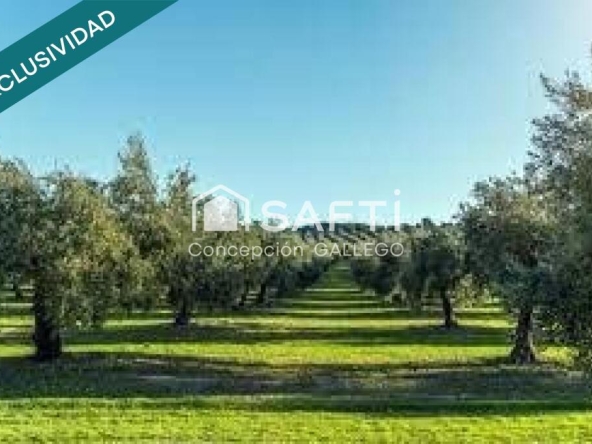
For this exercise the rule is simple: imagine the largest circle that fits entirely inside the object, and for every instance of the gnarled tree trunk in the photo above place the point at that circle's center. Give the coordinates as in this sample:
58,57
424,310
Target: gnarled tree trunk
18,291
183,314
416,303
447,310
262,295
524,351
244,297
47,338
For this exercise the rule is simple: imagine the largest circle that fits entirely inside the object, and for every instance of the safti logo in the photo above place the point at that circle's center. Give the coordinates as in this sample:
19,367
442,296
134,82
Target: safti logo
221,213
223,209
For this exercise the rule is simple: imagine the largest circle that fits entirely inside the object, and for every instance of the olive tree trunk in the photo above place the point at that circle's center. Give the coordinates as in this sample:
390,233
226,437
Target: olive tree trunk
524,351
262,295
244,297
447,310
183,313
18,291
46,336
416,303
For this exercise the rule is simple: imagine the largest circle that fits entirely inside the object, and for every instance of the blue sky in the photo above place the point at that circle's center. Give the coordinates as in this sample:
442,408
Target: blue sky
308,100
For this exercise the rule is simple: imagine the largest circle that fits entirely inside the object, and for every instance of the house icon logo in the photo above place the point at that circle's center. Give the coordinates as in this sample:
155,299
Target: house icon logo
221,212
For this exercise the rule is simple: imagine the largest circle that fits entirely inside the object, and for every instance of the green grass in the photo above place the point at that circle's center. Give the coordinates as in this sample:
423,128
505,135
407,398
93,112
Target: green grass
331,365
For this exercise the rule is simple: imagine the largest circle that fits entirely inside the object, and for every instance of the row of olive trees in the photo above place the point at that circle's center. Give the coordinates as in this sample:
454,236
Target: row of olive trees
88,247
527,238
507,230
532,235
431,267
494,248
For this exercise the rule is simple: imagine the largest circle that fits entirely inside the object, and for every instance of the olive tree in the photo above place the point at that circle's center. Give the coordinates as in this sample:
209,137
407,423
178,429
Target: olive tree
507,229
134,195
444,267
20,201
561,161
414,271
61,233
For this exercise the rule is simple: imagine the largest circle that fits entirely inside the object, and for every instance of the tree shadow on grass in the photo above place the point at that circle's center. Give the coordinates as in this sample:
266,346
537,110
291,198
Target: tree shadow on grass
252,333
486,387
339,307
15,309
382,313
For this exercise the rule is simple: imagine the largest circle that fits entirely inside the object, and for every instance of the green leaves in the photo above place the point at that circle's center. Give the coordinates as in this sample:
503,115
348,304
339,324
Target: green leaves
89,247
20,211
83,249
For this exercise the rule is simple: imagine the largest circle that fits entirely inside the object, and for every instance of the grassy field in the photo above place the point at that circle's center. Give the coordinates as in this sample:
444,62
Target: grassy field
330,365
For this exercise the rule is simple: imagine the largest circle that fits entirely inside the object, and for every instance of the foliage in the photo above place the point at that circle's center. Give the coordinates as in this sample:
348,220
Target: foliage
561,161
431,263
508,231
